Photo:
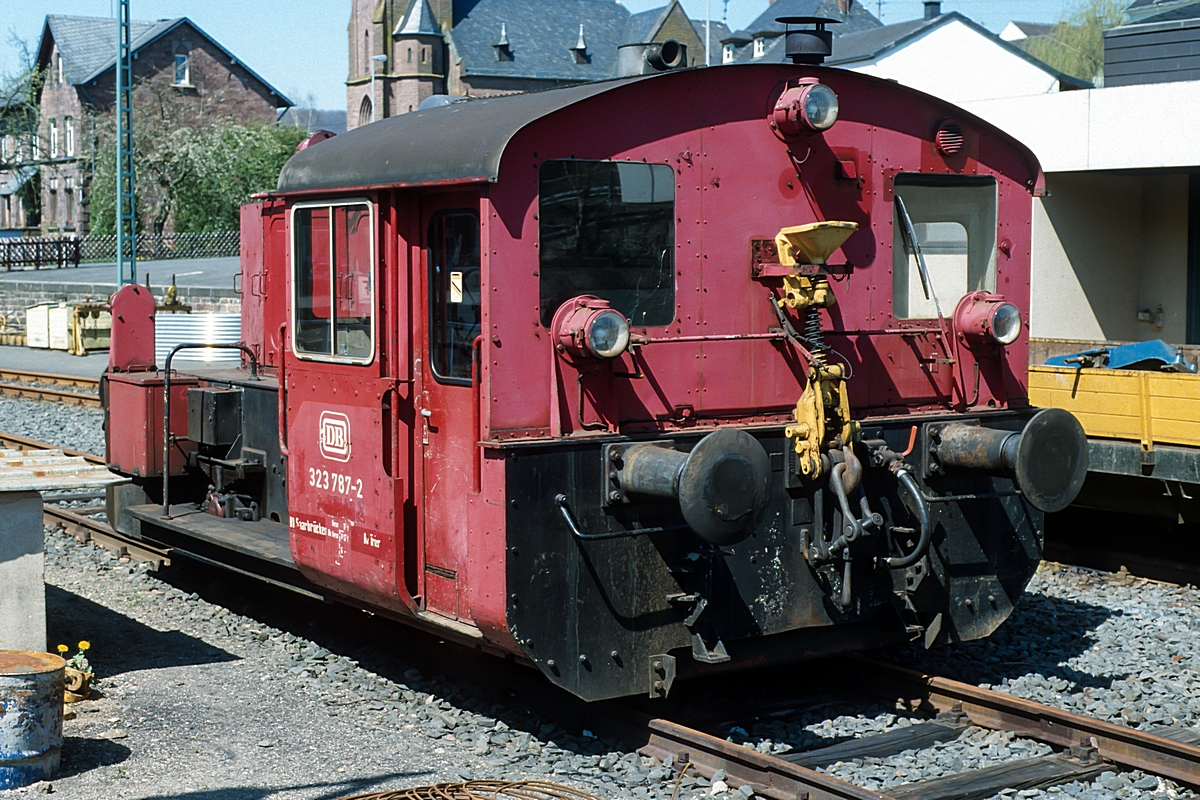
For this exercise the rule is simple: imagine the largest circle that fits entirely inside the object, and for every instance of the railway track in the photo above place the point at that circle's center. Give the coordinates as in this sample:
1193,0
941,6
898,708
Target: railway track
46,387
1086,746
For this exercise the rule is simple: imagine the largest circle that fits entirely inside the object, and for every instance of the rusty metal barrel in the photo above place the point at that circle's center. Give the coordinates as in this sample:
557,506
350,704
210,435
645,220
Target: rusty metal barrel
31,716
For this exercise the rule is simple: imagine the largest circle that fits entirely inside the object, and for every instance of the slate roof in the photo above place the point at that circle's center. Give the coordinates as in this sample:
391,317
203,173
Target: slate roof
418,21
541,35
88,46
1187,12
868,45
1031,29
858,19
641,26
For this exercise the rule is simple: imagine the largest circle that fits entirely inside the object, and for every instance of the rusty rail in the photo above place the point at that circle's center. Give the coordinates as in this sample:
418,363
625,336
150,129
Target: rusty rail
86,529
20,389
25,443
1133,749
769,776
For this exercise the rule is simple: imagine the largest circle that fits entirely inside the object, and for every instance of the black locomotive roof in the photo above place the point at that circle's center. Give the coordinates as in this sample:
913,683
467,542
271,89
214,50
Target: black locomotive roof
454,143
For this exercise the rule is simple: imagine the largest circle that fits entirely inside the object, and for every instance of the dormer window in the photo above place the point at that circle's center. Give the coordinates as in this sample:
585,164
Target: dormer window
183,72
760,47
503,50
727,54
580,49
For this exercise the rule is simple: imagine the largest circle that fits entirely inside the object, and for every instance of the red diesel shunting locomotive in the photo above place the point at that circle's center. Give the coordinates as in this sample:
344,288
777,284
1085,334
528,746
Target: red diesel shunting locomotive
642,378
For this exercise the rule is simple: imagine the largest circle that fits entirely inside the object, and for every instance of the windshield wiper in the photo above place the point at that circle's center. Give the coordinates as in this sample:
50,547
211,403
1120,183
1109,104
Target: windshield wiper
912,246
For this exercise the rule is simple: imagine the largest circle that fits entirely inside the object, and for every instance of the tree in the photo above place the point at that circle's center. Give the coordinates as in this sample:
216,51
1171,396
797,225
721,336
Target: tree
19,147
192,170
1076,44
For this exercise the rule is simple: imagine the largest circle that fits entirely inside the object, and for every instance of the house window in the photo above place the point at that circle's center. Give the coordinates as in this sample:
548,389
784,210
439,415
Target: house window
364,111
69,127
183,73
760,47
424,55
54,138
454,293
410,55
58,65
333,280
52,206
69,198
727,54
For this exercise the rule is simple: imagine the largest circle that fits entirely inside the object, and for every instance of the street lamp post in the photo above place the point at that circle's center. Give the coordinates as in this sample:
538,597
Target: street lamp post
375,60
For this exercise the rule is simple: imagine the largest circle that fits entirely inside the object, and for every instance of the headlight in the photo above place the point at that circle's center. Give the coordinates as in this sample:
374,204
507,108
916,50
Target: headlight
820,107
804,108
608,334
987,319
1006,323
587,327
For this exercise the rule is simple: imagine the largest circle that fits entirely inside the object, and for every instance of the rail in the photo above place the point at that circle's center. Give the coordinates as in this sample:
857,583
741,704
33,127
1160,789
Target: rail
33,386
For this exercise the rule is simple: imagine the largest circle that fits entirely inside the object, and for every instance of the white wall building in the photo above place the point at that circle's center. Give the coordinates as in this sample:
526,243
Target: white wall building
950,57
1118,233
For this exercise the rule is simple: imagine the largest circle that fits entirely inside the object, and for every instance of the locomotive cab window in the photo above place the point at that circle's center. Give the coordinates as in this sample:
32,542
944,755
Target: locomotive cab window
333,283
454,314
949,223
607,228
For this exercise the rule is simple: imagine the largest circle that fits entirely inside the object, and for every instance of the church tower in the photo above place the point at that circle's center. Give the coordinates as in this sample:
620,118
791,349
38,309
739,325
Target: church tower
419,57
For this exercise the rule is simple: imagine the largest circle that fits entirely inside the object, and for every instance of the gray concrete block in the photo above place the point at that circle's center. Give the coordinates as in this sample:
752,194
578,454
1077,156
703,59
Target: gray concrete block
22,572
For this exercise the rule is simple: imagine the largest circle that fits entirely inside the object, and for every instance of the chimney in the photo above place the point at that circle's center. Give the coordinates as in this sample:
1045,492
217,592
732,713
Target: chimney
933,9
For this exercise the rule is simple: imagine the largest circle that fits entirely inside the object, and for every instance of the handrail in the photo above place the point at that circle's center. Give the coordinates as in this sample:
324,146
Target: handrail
166,465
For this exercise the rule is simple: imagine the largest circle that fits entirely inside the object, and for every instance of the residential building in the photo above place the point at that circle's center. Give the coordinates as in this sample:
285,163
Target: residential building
1017,32
948,56
404,51
1160,49
1146,10
173,61
763,40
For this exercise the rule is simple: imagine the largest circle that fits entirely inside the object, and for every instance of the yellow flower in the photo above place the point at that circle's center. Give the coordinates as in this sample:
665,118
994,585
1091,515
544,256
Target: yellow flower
62,648
85,644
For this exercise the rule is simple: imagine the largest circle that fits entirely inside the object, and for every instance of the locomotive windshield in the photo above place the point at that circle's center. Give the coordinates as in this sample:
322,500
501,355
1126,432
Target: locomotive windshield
608,229
333,282
954,220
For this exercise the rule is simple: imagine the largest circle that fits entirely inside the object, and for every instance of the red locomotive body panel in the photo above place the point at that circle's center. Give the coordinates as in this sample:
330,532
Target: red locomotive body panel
133,440
679,481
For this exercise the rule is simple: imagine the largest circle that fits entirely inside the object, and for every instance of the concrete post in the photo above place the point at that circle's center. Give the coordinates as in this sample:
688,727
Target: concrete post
22,572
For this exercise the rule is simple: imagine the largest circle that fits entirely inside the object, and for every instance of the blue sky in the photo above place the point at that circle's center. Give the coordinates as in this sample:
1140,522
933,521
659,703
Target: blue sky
300,45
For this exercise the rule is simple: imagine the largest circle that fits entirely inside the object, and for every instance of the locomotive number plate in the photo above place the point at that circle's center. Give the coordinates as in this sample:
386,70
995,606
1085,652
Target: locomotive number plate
335,483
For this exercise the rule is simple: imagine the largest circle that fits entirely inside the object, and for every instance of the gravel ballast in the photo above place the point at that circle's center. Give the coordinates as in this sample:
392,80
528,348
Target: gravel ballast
77,427
201,701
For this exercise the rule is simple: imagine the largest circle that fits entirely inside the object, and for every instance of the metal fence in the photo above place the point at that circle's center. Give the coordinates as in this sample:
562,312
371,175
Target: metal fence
154,247
40,252
68,251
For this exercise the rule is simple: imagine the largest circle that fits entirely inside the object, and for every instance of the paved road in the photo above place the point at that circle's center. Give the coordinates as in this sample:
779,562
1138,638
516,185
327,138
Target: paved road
56,362
216,273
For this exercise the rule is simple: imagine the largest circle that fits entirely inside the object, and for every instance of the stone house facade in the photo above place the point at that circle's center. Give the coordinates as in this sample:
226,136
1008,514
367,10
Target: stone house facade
480,48
176,65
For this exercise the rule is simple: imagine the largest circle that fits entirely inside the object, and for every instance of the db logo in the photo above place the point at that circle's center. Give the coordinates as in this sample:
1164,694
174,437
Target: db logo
335,436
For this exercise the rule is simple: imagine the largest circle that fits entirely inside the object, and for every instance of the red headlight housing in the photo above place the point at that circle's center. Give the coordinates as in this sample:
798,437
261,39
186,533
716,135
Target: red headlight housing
587,327
987,319
807,107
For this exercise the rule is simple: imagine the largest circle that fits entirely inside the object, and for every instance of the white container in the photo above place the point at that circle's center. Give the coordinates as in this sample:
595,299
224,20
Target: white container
175,329
37,326
59,319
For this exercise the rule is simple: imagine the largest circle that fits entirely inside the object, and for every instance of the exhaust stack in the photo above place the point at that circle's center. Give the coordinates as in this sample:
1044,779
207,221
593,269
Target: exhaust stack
650,57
